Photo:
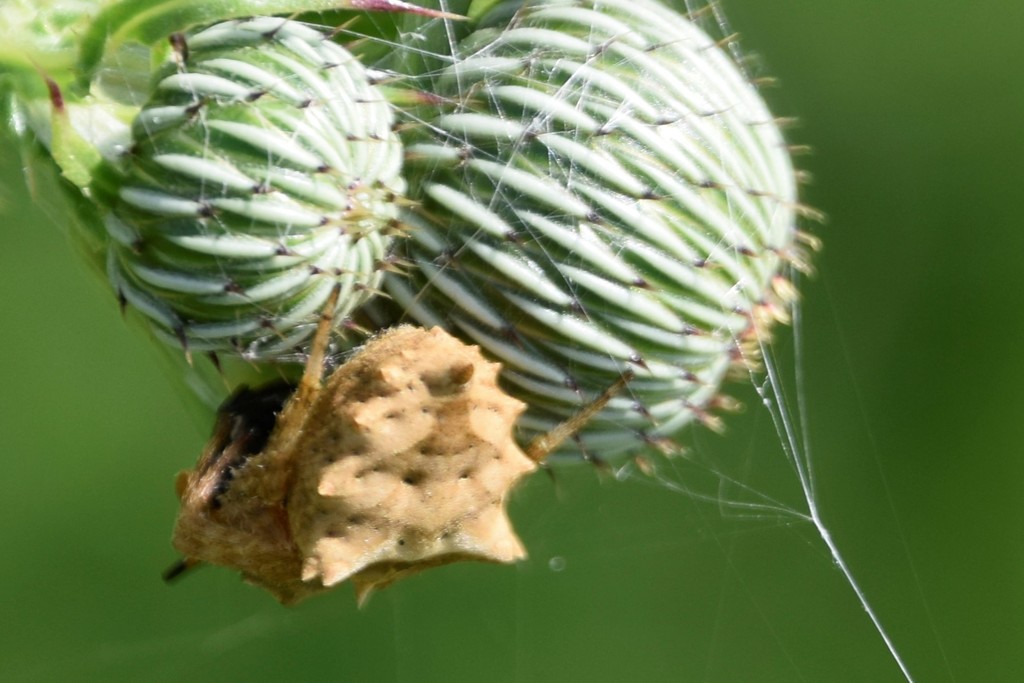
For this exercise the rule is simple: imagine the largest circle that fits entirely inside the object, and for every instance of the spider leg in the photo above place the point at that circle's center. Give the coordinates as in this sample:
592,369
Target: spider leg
542,446
297,408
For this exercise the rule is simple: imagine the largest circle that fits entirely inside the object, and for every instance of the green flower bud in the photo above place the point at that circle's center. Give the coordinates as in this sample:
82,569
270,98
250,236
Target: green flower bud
262,172
601,190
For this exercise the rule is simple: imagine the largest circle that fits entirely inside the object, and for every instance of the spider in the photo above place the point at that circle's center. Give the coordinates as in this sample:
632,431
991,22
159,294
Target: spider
403,459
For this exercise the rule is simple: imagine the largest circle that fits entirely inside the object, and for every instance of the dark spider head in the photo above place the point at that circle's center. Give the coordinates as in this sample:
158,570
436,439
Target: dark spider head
244,424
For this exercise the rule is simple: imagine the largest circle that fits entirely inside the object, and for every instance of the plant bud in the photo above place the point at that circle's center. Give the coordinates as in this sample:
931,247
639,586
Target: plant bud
263,171
600,189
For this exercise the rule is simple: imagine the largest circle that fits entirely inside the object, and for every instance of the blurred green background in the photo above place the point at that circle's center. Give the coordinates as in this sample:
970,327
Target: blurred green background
913,379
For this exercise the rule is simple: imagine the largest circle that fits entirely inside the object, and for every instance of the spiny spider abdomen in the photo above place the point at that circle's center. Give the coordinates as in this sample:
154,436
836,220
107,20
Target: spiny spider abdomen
402,461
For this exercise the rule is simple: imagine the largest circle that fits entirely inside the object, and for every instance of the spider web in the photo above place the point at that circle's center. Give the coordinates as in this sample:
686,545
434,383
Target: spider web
732,487
699,472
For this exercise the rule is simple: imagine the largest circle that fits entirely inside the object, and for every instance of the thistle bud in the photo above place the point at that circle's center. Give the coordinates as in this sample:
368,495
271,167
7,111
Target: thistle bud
262,172
601,189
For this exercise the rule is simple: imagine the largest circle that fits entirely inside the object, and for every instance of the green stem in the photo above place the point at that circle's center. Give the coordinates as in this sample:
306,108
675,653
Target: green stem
143,22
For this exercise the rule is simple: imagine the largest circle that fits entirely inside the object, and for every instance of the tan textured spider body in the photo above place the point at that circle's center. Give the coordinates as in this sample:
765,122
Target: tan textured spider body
401,461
